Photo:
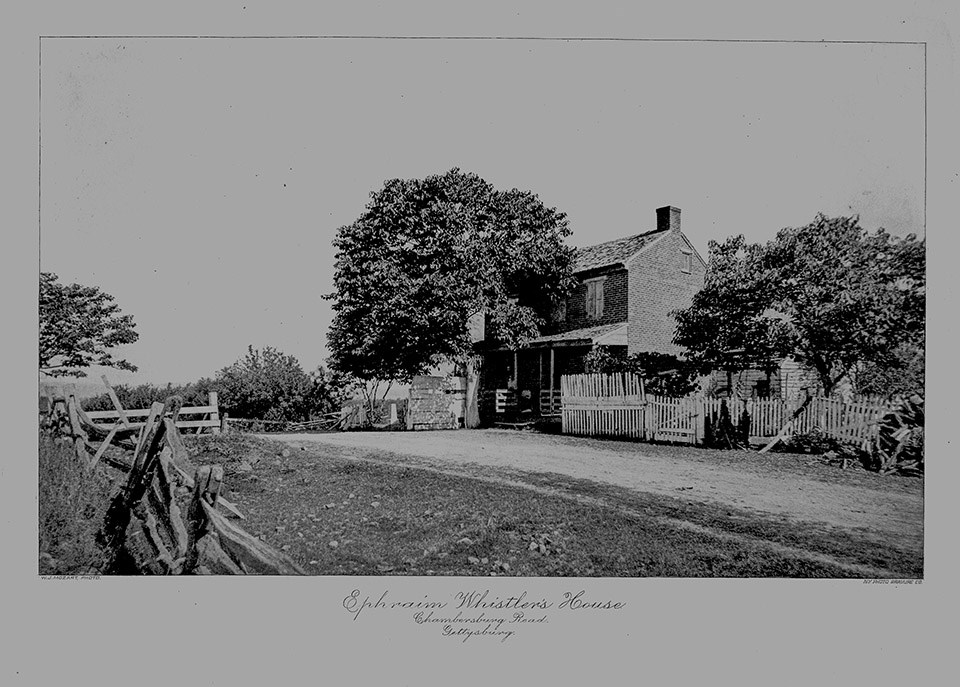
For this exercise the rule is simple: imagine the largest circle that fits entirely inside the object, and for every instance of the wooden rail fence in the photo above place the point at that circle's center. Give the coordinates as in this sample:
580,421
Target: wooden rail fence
162,520
210,416
616,405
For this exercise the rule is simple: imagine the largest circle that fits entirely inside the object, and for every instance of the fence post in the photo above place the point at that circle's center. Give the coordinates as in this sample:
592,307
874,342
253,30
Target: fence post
215,415
699,407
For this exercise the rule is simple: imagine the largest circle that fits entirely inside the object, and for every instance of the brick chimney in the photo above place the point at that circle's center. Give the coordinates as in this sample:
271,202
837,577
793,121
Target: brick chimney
668,217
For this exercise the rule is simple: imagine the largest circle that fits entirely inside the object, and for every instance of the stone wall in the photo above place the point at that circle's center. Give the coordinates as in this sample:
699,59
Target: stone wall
437,403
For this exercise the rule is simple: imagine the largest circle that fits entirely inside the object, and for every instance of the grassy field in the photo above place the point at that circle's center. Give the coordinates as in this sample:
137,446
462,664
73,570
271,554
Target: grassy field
337,515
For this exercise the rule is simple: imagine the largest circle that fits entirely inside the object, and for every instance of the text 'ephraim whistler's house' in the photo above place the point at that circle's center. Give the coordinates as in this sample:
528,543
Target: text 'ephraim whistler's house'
626,290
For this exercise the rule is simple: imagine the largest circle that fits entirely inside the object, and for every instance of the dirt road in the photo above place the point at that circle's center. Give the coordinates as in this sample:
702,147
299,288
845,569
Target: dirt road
889,509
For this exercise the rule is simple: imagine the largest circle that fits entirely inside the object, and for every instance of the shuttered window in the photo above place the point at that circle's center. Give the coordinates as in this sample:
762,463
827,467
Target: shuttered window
595,298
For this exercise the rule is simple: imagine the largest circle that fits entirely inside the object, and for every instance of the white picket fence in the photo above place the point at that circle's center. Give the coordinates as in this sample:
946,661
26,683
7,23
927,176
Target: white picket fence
616,405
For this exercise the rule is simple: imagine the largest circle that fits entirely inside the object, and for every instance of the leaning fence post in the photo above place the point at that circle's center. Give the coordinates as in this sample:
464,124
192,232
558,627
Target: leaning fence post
116,402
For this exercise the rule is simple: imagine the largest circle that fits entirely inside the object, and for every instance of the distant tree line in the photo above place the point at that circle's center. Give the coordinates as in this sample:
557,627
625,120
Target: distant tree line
263,385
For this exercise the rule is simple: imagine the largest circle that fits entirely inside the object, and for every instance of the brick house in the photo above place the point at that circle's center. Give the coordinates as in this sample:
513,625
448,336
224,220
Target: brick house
627,289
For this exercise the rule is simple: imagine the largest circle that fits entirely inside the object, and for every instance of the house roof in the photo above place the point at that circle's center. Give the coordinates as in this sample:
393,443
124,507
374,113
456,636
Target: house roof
613,252
603,334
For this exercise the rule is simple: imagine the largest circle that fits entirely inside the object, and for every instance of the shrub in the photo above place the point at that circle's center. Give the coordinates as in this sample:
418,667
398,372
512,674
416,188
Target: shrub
815,442
269,385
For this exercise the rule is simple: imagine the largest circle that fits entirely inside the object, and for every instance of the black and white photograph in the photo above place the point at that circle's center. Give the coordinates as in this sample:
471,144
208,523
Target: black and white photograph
480,308
437,343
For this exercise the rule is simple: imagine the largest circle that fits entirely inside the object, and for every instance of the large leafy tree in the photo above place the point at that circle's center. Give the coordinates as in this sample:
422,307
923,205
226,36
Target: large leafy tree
428,254
79,327
830,294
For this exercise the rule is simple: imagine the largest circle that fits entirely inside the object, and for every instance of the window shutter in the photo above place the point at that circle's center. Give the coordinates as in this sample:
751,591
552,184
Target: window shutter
599,300
591,298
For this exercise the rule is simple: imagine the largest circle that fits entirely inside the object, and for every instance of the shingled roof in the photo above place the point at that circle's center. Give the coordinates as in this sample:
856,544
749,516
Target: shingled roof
609,334
613,252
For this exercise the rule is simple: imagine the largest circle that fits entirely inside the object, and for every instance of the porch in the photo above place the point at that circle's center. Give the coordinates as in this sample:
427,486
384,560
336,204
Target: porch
526,382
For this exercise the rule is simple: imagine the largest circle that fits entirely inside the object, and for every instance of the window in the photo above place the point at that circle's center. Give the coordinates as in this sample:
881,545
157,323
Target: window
595,297
560,314
761,389
686,261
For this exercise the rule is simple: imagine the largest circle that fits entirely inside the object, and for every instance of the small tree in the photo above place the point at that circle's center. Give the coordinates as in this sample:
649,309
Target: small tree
79,325
269,385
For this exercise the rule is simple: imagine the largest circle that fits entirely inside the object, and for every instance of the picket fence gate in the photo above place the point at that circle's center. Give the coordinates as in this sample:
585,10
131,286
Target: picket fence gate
617,406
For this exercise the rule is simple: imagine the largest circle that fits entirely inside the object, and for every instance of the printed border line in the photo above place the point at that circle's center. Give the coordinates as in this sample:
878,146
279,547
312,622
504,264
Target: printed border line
500,38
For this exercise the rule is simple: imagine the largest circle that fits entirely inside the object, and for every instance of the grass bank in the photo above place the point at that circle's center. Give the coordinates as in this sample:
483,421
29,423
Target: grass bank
73,500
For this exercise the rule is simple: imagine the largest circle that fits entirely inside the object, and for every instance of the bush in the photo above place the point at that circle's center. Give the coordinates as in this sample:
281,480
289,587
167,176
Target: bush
815,442
899,445
73,501
269,385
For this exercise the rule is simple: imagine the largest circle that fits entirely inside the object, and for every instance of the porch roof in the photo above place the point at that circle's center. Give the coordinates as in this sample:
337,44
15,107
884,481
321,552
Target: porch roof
601,335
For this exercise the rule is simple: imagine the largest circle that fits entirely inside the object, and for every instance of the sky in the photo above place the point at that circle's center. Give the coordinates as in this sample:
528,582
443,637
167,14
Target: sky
202,181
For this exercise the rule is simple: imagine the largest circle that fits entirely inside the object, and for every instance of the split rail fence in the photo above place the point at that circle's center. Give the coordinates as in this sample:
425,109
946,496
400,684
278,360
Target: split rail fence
617,406
209,416
162,520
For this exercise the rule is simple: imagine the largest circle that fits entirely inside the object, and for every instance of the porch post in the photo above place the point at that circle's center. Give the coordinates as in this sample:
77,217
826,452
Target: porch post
551,375
516,369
